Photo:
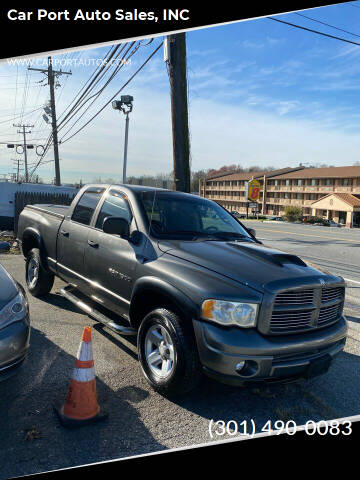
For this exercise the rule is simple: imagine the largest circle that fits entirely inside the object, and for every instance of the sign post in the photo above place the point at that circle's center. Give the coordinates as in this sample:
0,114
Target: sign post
252,194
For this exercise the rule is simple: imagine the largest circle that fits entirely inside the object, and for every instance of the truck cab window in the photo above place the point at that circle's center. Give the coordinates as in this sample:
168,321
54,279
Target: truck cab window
85,207
115,205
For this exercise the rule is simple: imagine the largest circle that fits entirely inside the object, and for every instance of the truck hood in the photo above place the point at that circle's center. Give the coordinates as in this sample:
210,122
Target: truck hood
8,288
255,265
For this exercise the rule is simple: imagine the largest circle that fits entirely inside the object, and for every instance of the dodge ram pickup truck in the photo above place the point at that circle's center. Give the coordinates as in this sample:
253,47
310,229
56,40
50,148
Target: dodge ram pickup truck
198,289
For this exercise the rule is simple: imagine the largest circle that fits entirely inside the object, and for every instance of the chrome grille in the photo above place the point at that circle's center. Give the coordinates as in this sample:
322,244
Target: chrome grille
329,294
299,297
301,310
287,321
328,315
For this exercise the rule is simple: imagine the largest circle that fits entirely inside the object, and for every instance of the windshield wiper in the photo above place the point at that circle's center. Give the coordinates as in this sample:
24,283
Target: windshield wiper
209,235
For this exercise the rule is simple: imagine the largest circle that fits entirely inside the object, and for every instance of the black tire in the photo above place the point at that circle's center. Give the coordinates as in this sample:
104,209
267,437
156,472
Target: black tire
43,281
186,371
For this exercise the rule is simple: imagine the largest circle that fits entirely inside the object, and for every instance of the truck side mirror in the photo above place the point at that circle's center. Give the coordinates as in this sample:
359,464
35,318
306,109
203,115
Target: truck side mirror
117,226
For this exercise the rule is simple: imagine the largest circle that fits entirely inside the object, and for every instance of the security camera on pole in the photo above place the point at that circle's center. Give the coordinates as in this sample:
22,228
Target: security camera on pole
126,106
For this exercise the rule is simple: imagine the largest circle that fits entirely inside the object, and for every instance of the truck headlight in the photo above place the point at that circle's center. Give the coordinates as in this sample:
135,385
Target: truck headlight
13,311
230,313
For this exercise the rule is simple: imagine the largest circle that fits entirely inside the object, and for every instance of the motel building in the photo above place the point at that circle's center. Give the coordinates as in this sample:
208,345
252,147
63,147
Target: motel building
332,193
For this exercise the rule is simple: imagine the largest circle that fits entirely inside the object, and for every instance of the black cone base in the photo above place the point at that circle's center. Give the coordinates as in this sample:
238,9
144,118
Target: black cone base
72,423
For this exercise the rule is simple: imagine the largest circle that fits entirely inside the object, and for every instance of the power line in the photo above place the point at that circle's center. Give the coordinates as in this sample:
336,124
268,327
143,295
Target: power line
99,92
120,89
313,31
327,24
83,100
88,85
21,115
107,57
99,111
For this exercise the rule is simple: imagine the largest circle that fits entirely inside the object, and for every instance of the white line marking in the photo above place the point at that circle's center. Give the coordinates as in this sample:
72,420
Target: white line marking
352,281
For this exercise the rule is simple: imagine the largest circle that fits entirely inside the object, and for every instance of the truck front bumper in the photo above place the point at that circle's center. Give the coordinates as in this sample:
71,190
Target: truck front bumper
238,356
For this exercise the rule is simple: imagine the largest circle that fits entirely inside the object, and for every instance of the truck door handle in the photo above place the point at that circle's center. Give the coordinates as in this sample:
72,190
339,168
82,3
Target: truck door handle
93,244
63,232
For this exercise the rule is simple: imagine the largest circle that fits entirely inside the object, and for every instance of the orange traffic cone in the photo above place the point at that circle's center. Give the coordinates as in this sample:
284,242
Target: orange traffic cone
81,406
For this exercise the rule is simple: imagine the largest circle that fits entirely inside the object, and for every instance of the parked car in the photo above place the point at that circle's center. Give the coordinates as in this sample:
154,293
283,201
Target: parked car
238,215
332,223
14,325
201,293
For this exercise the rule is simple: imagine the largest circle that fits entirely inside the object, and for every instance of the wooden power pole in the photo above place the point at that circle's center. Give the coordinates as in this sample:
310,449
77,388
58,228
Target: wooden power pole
175,55
51,75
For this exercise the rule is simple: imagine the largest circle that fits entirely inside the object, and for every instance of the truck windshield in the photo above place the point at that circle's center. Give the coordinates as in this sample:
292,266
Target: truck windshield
172,215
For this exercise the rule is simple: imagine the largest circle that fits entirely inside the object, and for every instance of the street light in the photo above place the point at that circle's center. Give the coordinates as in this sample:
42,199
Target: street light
125,105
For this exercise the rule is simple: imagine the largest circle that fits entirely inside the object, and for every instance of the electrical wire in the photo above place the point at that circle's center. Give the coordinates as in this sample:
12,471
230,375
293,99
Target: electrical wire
327,24
112,98
313,31
97,95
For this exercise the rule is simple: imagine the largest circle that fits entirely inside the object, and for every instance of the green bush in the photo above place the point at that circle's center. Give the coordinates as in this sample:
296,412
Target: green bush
292,213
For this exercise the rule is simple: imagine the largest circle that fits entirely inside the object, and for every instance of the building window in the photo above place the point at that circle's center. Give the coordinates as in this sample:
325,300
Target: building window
346,182
287,183
299,182
313,182
276,183
328,181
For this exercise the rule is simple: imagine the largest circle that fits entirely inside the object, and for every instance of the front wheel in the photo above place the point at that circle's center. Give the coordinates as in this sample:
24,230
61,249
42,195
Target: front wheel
168,353
39,281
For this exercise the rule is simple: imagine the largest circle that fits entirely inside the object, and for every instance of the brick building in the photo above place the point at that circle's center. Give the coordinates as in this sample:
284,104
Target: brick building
332,192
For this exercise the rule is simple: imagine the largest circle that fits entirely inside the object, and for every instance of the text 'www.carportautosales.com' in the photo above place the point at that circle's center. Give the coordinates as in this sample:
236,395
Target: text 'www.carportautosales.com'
249,428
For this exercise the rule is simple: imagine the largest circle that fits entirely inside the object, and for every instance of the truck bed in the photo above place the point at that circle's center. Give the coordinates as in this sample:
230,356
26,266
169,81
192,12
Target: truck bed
46,219
57,210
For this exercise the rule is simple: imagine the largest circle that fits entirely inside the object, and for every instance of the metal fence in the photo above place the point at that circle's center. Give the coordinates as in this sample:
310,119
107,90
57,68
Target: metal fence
31,198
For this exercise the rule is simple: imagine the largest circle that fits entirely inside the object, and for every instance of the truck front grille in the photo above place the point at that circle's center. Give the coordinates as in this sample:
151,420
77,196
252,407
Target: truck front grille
329,315
308,309
285,321
295,298
329,294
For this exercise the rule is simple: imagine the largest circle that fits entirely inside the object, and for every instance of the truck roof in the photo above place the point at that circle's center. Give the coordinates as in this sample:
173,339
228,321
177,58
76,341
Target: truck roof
136,188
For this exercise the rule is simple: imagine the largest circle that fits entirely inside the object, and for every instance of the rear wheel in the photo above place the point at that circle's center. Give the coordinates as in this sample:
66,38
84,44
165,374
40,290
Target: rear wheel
168,353
39,281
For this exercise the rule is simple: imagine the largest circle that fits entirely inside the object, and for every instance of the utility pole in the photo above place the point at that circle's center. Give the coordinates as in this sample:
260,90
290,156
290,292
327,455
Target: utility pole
175,56
52,74
17,166
24,132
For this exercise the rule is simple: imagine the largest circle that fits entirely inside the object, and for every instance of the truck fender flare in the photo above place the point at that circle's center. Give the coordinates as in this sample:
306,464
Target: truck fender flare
180,299
34,235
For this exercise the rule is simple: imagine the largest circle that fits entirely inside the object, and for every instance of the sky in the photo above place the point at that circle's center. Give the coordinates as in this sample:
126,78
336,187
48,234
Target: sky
260,93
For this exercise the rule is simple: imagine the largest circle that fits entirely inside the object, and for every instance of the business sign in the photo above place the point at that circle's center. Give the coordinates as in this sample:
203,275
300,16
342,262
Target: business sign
253,190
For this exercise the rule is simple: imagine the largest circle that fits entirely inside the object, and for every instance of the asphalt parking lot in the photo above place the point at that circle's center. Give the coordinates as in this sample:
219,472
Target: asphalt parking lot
140,420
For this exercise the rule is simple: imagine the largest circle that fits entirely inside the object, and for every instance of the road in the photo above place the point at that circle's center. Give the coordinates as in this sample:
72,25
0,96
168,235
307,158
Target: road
336,249
140,420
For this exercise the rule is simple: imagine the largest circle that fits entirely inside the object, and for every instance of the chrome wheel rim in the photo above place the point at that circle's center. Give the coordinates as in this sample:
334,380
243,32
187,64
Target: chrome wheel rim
159,351
32,273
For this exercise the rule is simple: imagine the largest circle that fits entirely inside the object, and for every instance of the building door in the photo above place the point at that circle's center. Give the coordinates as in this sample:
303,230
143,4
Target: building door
342,217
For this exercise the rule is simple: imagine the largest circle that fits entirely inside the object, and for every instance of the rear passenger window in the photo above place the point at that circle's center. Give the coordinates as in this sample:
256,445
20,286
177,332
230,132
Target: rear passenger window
85,207
115,205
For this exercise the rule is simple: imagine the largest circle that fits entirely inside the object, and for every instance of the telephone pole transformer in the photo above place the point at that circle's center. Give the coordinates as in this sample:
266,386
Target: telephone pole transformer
175,56
52,74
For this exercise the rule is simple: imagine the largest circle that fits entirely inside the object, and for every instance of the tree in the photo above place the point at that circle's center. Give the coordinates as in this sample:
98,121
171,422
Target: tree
293,213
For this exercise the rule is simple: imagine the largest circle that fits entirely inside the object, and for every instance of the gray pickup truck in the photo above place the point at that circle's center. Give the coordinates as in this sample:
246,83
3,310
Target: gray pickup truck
198,289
